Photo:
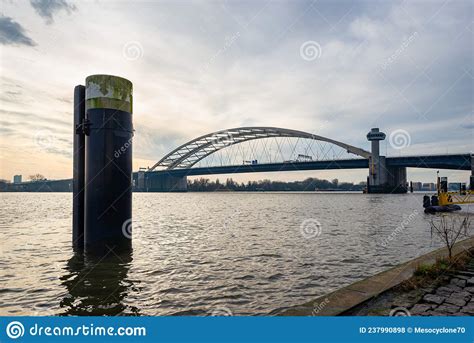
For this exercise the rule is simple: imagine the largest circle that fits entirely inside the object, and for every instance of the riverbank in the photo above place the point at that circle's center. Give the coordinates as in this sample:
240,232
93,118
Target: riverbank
371,296
443,289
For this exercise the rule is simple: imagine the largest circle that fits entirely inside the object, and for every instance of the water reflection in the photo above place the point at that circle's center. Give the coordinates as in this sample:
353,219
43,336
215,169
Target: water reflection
97,286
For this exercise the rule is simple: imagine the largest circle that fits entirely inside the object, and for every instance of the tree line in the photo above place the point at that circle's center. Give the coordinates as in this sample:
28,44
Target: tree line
309,184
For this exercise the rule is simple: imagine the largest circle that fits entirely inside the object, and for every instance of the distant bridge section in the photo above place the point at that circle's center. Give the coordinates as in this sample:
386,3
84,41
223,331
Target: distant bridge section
455,161
174,179
448,161
386,174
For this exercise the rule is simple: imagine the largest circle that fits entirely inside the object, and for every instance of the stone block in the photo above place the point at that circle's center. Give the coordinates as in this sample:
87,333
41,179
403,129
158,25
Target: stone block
455,300
447,308
418,309
458,282
434,299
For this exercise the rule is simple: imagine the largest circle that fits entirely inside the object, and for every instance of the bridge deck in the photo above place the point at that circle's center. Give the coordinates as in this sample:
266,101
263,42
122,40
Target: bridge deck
455,161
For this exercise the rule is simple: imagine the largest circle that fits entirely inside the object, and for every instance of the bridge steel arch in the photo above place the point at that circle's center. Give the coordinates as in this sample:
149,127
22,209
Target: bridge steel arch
190,153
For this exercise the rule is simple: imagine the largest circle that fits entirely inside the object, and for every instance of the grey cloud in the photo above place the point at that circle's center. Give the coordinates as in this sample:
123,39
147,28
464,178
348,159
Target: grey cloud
36,119
48,8
65,99
5,130
12,33
10,96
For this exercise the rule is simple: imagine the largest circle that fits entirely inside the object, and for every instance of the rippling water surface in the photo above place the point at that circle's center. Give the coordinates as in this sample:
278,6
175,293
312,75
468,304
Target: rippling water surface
205,253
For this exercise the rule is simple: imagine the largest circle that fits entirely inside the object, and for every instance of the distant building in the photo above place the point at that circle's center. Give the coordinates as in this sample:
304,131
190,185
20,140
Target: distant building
16,178
417,186
453,186
430,186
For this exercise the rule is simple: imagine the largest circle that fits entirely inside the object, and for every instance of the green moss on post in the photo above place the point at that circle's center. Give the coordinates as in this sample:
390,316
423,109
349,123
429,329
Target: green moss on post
108,91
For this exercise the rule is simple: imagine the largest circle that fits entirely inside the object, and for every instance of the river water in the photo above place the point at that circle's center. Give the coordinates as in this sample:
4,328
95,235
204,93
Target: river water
205,253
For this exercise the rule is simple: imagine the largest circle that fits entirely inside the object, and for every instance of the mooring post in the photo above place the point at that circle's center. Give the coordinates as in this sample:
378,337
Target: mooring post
78,170
108,164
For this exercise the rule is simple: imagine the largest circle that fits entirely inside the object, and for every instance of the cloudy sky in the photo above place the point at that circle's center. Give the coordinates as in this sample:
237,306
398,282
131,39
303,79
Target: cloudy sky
332,68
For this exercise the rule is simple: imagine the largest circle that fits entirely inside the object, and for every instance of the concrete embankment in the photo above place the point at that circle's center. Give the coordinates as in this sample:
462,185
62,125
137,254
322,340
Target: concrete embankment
346,298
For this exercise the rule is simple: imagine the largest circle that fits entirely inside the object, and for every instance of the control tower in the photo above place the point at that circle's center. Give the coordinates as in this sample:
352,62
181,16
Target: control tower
383,179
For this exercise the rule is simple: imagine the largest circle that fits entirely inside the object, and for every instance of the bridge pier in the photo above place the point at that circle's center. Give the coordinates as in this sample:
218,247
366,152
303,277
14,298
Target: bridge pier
395,181
383,179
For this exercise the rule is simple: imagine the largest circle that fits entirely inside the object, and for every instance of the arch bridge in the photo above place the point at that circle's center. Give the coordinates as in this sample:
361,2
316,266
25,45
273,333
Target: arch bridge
190,153
386,175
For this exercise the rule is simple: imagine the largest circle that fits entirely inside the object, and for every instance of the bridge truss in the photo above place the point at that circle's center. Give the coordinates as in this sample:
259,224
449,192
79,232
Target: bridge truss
196,150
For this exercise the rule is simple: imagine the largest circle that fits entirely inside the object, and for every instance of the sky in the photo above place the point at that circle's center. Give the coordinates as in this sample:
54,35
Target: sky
332,68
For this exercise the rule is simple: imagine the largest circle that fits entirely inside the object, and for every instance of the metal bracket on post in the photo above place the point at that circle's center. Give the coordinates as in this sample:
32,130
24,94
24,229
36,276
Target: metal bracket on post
84,128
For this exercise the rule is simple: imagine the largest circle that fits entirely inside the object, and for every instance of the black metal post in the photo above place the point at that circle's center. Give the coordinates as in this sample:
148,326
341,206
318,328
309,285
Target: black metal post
108,177
78,170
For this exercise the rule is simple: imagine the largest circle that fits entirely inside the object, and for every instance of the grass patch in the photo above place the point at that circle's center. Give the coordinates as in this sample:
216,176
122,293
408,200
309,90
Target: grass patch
441,266
434,274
